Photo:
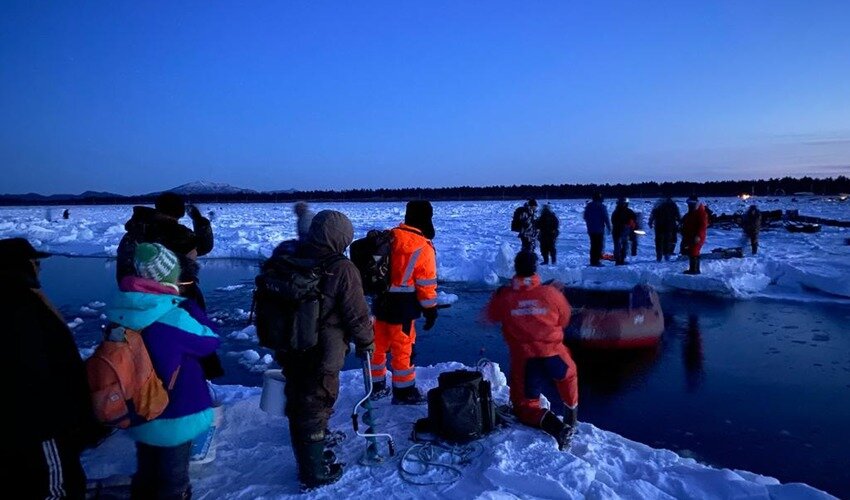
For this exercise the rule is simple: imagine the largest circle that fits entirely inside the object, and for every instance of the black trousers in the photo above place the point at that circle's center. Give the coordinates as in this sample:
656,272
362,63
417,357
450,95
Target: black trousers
50,469
547,249
597,243
527,244
162,472
665,244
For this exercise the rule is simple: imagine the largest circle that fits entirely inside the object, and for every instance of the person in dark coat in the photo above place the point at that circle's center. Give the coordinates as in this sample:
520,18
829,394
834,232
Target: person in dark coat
547,232
47,398
694,228
623,223
525,224
312,376
665,220
161,224
751,223
597,222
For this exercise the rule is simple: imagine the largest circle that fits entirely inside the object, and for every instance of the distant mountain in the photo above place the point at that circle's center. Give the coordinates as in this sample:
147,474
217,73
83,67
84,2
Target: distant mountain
203,187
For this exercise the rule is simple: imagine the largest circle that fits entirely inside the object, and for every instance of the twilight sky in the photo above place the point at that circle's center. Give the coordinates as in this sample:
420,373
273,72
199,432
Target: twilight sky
133,97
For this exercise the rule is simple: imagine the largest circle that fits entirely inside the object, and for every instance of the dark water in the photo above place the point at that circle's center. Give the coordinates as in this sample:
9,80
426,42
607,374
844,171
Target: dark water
757,385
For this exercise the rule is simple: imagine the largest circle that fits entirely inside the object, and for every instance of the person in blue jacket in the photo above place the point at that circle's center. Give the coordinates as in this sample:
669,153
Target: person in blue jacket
177,333
597,221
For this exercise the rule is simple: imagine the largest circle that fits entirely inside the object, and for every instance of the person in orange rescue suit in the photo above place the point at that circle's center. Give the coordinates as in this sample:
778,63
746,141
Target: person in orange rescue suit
412,293
533,317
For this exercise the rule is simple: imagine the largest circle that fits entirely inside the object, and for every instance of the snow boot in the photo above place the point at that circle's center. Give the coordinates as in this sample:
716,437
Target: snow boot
315,467
693,265
380,391
561,431
408,396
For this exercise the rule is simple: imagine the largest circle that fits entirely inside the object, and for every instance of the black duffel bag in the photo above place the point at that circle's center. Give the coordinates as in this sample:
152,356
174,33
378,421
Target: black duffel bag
460,408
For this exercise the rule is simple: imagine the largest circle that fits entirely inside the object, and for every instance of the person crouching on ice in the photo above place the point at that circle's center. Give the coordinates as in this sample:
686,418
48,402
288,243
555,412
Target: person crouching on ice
533,317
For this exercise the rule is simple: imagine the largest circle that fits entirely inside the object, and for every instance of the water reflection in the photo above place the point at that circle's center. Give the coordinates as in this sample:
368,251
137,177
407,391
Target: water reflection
610,371
692,354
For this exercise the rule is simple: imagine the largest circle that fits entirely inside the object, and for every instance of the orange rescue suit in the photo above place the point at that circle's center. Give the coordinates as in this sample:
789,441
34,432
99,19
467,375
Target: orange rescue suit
413,287
533,318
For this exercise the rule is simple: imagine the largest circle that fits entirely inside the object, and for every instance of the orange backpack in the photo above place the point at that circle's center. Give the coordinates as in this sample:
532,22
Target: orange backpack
125,389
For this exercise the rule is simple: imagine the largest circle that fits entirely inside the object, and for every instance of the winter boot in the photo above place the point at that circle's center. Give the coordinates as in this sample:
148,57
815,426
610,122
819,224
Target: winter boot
315,467
696,265
692,266
380,390
561,431
408,396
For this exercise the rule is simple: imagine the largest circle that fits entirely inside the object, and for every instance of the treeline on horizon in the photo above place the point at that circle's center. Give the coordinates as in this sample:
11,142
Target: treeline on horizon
765,187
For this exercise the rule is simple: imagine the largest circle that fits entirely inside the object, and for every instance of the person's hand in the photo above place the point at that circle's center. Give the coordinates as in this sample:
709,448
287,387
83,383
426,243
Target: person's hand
193,212
365,352
430,317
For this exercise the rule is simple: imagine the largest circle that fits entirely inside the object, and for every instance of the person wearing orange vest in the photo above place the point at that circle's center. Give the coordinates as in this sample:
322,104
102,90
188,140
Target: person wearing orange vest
412,293
533,317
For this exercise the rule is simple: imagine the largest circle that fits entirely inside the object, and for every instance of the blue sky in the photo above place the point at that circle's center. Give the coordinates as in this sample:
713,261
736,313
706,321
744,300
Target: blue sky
133,97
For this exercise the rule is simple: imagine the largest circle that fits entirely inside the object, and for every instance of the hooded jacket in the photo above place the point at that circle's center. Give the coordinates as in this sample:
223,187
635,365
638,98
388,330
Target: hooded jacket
177,334
345,311
665,216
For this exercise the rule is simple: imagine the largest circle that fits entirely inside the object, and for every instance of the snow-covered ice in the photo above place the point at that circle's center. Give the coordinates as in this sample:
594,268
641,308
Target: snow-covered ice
474,243
254,459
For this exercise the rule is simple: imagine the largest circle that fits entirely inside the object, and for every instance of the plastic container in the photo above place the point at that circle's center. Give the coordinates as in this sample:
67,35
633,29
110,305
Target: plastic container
273,401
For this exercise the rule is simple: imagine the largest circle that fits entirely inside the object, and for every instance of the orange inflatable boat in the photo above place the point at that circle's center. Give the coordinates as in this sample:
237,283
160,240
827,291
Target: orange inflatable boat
615,319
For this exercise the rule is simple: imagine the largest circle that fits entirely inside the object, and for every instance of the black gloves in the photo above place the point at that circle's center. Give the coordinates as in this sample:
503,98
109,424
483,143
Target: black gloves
365,352
430,315
193,212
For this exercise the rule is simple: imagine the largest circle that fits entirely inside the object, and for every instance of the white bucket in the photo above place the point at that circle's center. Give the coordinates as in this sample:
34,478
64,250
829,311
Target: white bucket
273,400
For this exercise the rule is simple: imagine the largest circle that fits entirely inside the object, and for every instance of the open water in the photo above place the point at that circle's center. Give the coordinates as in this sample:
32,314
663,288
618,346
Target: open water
757,385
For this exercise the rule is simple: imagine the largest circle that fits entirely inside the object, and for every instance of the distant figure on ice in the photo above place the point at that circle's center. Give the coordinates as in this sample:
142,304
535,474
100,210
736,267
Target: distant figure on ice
751,224
161,225
547,232
524,223
66,214
533,317
49,414
597,222
305,218
623,224
665,219
694,226
412,293
178,334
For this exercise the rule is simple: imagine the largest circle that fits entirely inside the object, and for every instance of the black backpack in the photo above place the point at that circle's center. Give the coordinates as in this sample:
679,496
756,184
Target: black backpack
460,408
371,256
288,302
516,222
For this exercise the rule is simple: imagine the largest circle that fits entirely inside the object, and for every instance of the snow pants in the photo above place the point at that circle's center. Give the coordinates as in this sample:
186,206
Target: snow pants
391,338
547,250
554,376
597,244
311,392
527,243
665,244
621,247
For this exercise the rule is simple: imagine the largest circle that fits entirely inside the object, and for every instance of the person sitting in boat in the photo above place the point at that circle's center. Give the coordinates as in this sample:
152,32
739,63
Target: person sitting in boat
533,317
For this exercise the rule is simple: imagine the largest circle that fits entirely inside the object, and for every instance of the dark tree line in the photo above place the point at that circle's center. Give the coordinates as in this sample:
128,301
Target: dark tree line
764,187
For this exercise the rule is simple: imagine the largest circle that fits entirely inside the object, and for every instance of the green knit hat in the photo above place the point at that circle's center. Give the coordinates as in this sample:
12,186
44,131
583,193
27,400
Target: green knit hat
154,261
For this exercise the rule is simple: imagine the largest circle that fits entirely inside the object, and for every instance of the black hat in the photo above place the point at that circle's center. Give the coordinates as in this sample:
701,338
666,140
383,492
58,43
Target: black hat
622,200
19,249
418,214
525,264
597,196
171,204
693,200
532,202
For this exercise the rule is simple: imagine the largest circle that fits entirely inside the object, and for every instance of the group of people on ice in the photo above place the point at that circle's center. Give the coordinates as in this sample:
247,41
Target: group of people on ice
623,225
159,296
